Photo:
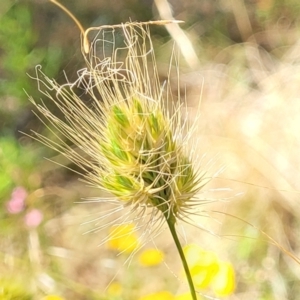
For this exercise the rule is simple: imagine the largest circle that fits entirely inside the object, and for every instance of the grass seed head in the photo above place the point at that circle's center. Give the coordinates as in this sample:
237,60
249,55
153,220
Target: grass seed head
128,144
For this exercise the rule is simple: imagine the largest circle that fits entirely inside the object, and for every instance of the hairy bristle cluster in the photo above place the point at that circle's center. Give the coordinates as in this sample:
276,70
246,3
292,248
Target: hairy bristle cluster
128,144
143,163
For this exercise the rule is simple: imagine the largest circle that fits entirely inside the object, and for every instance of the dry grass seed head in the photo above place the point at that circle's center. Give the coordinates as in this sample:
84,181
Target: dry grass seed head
127,143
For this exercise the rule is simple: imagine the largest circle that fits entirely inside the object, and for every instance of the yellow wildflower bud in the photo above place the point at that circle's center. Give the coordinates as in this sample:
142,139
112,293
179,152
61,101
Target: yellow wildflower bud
186,296
53,297
163,295
123,238
114,289
151,257
223,283
203,265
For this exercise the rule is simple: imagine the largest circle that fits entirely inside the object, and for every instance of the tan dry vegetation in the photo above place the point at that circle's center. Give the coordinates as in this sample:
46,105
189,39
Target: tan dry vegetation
250,118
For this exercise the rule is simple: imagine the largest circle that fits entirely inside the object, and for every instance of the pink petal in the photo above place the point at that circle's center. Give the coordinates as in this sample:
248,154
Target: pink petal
19,193
33,218
15,206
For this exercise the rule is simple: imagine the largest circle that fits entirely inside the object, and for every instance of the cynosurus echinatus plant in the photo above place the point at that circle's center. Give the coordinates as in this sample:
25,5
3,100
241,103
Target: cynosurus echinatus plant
126,142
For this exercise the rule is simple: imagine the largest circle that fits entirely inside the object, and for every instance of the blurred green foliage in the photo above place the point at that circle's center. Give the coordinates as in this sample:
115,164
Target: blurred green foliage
19,55
18,166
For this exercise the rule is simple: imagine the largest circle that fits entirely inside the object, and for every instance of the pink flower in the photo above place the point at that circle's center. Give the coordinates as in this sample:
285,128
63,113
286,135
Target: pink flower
19,193
16,203
33,218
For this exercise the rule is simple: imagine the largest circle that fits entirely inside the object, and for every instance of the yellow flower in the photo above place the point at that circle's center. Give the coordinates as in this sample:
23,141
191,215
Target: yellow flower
53,297
208,271
123,238
163,295
114,289
151,257
223,283
203,265
186,296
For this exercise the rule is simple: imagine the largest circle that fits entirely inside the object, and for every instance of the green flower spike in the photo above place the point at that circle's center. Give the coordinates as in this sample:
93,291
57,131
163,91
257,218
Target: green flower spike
128,144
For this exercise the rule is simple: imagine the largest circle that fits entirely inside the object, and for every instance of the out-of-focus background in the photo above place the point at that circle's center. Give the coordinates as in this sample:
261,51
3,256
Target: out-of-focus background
242,59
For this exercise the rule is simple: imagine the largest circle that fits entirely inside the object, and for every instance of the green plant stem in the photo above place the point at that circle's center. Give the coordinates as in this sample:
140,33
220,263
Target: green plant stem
171,224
